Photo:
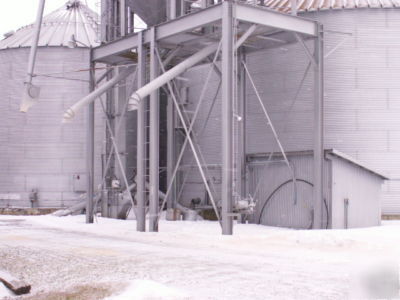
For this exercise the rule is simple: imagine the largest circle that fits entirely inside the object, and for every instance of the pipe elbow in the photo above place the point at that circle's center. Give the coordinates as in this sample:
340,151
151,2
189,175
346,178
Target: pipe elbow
68,116
134,101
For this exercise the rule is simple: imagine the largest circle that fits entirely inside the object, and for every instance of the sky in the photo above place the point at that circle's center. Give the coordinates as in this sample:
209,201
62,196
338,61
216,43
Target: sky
17,13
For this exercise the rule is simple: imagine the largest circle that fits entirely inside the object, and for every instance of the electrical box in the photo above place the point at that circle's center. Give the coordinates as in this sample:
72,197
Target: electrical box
79,182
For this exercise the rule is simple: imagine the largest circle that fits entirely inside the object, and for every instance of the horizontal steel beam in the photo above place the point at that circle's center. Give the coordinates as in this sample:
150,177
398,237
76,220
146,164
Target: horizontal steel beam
163,31
178,30
274,19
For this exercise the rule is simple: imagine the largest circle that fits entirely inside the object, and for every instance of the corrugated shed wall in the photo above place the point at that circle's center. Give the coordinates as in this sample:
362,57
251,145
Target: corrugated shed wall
276,205
362,190
37,151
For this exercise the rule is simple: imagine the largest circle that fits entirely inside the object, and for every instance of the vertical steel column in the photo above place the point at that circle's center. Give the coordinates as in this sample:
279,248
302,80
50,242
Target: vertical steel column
154,139
141,142
171,151
90,149
242,125
227,113
123,17
172,9
318,128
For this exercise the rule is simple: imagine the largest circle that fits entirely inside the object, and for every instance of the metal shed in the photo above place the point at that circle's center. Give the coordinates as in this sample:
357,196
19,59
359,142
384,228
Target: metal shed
351,191
41,159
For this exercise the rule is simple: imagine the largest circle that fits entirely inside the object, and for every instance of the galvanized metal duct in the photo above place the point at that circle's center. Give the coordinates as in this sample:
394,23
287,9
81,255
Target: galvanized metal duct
71,112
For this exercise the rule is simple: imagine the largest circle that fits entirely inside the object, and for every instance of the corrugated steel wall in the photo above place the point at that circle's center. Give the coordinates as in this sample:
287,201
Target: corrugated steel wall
362,190
362,97
277,82
276,204
37,151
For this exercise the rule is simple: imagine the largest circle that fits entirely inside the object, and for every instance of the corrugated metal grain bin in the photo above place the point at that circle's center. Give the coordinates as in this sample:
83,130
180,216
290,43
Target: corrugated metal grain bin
351,191
362,98
37,151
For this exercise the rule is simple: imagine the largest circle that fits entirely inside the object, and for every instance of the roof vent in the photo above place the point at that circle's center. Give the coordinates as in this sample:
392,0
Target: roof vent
73,4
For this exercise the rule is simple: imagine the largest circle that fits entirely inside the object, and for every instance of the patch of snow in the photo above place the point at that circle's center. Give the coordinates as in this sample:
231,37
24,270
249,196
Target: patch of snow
257,262
148,289
5,292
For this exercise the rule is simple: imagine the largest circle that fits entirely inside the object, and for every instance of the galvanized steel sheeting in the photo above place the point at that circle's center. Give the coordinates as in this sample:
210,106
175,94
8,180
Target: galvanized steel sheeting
37,151
363,191
58,27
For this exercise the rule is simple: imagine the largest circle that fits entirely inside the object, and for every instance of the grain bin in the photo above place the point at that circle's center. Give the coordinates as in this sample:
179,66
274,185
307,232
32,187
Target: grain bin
362,96
41,159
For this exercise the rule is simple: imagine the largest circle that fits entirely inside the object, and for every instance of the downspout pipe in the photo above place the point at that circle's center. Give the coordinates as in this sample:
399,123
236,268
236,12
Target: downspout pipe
155,84
163,79
28,100
71,112
146,90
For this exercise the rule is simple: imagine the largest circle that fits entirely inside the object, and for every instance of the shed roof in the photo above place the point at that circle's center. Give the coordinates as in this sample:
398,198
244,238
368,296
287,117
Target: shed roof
328,153
348,158
73,20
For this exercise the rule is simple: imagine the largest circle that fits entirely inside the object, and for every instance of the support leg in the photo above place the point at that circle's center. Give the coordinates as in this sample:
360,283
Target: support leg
171,152
90,152
241,160
227,112
141,143
318,130
154,140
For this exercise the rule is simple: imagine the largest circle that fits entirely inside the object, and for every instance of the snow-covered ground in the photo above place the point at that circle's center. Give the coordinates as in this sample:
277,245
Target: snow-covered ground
192,260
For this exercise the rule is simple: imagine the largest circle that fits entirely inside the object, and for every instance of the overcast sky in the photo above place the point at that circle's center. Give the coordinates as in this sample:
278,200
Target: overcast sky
17,13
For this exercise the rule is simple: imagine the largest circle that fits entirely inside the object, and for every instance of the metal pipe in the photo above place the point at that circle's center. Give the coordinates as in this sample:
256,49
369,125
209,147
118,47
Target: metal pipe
27,102
171,199
318,129
154,139
71,112
90,151
172,9
141,142
170,74
242,126
171,56
226,116
35,41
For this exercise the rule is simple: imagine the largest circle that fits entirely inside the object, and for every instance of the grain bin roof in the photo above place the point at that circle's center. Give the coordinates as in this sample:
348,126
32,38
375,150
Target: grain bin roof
73,18
315,5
